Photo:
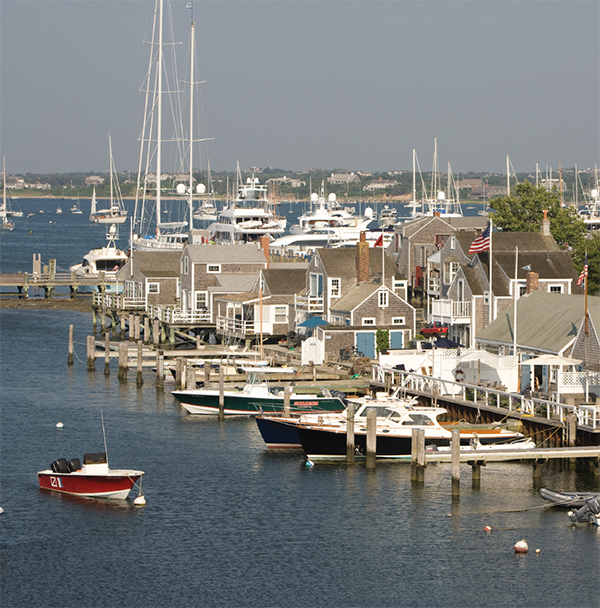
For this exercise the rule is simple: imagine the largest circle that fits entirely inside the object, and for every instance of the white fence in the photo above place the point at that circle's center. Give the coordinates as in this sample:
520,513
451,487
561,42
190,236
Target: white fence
587,415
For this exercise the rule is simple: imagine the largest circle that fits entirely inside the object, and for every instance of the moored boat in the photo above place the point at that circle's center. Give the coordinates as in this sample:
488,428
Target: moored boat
93,478
257,397
566,498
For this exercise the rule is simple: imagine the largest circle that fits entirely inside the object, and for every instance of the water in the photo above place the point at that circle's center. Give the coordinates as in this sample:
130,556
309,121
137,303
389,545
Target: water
228,523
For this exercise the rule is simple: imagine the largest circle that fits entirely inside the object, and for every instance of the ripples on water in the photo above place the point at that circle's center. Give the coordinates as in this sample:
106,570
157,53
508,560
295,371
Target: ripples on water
228,523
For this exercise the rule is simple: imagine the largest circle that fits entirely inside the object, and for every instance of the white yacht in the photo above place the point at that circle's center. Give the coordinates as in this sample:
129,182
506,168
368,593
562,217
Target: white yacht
107,259
247,217
388,216
330,214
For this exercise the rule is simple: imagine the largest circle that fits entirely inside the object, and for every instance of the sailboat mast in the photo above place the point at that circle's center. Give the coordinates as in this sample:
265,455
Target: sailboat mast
159,119
192,53
507,176
414,189
110,171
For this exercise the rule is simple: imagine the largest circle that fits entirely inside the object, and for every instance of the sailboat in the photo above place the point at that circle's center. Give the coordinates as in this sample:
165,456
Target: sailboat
116,213
152,230
5,223
75,208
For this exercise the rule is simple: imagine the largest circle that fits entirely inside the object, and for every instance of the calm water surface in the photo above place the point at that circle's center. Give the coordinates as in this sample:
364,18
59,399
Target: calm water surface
229,524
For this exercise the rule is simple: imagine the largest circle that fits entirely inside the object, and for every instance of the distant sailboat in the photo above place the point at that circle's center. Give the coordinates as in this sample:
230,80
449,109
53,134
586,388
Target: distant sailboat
5,223
116,213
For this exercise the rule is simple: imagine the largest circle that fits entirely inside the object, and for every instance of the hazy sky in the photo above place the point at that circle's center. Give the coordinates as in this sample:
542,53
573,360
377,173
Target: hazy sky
298,84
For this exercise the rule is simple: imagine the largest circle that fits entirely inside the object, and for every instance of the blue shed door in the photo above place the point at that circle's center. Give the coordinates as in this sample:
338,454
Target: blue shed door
396,339
365,343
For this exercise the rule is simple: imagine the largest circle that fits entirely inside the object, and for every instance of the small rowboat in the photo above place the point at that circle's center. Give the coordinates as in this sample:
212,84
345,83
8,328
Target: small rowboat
568,499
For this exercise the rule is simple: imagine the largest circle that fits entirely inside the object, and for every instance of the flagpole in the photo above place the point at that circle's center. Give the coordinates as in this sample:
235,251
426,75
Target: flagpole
490,259
515,303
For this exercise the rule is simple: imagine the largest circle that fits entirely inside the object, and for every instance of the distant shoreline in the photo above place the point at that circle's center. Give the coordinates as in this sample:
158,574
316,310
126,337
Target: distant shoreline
74,304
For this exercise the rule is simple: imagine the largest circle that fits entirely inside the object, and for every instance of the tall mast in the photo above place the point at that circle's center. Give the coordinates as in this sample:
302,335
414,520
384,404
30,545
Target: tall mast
192,53
414,189
110,170
159,119
507,176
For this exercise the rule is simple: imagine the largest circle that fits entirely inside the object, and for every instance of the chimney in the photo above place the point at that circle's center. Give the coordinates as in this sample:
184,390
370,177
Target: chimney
264,245
545,228
533,279
362,259
437,214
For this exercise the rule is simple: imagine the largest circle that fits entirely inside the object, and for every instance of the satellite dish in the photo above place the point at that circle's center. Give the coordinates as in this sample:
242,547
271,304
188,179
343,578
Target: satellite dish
200,189
441,195
314,197
332,197
368,212
180,188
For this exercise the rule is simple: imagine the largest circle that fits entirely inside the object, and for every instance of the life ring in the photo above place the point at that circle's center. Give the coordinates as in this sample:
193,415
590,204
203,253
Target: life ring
459,375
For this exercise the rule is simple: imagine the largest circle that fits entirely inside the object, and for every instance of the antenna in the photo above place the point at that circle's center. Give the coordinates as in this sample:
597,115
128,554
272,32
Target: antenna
104,435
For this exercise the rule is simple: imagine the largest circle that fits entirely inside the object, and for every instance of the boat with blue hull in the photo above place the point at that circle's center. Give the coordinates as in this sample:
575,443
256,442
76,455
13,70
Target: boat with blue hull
258,397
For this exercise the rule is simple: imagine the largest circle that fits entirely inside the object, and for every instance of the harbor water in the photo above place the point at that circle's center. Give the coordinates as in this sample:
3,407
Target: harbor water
229,523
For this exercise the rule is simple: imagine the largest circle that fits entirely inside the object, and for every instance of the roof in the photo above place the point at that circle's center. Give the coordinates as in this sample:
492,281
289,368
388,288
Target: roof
285,281
549,265
355,297
341,262
248,253
233,283
158,263
412,227
526,241
546,322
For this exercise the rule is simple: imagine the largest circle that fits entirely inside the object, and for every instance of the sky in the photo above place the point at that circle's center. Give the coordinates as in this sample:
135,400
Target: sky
344,84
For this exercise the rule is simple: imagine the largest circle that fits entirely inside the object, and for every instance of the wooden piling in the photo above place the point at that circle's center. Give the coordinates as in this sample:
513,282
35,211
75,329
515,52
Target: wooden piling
476,472
91,353
136,327
190,378
146,330
139,379
371,439
70,354
537,467
455,462
413,455
206,374
350,443
107,354
122,319
160,369
221,393
123,366
287,398
178,374
131,327
421,455
155,331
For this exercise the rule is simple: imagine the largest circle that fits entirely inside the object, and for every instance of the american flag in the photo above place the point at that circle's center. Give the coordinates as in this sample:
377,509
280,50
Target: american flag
583,275
482,242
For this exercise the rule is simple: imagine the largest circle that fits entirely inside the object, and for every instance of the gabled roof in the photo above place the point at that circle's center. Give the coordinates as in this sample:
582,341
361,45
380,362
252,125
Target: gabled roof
464,240
341,262
285,281
233,283
247,253
356,296
549,265
412,227
546,322
158,263
526,241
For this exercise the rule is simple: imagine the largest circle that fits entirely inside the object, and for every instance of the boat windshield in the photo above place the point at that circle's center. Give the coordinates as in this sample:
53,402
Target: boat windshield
414,419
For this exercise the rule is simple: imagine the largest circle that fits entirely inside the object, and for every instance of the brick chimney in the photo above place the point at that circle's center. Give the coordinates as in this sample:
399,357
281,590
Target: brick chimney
362,259
533,279
545,227
264,245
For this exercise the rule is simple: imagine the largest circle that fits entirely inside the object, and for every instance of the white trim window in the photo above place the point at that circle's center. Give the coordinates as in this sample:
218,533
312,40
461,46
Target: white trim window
201,300
398,320
382,298
186,265
153,288
334,288
213,268
280,314
450,270
555,289
368,321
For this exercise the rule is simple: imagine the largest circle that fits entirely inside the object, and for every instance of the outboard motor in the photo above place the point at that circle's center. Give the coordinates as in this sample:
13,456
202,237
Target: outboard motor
60,466
586,514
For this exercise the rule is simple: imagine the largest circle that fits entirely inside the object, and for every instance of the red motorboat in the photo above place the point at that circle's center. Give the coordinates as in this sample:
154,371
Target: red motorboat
93,478
434,330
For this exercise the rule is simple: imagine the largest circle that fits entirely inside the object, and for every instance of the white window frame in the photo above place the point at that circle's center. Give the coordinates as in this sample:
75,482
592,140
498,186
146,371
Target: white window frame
213,269
450,269
153,288
335,287
186,265
196,294
368,321
278,316
398,320
556,288
486,298
399,284
383,300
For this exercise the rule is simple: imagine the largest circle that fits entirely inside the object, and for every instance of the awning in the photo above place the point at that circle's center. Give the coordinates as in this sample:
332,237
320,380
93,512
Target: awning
555,360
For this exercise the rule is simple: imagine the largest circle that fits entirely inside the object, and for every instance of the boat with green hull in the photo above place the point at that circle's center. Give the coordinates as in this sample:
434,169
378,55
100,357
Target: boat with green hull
258,397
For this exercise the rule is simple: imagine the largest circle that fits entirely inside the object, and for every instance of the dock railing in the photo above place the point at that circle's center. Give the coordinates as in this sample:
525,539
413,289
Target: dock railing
587,415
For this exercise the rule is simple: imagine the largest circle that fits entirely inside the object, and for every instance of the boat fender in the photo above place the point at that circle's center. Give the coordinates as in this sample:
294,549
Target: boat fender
139,501
521,546
459,375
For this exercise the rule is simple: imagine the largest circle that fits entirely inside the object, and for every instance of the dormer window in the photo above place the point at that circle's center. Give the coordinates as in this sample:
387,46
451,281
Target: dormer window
213,268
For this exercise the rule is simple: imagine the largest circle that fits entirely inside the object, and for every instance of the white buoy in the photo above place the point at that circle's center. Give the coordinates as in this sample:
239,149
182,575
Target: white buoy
487,529
521,546
59,425
140,500
1,510
310,463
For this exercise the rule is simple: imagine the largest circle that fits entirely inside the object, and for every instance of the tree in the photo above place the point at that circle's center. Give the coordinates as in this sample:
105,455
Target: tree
592,246
523,211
